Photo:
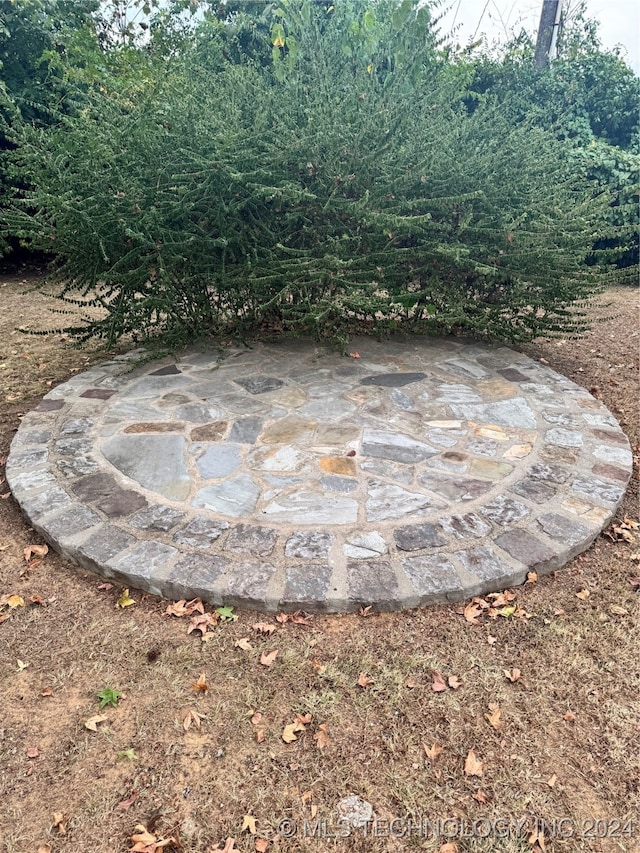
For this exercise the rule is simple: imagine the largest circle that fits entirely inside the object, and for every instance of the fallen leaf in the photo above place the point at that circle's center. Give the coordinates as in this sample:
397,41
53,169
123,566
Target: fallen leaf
471,613
507,611
36,599
364,680
35,551
92,722
618,611
432,751
105,586
226,614
44,848
249,823
202,622
491,640
304,719
244,644
261,845
495,719
289,732
125,804
454,682
33,752
569,716
449,847
190,716
261,736
481,796
472,765
128,754
264,628
46,691
319,667
184,607
22,665
354,355
59,823
532,577
321,737
267,658
438,684
125,600
552,781
14,601
410,683
201,686
583,594
228,847
365,611
256,719
513,675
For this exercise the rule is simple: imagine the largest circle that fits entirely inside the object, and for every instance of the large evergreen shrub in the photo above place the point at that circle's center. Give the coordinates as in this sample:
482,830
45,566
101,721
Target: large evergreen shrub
342,185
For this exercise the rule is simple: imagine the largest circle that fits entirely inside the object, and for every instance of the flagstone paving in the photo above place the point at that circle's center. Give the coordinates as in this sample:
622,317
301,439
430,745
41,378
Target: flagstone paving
287,476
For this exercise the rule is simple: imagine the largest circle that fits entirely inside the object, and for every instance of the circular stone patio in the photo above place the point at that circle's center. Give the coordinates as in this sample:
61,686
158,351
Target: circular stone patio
286,476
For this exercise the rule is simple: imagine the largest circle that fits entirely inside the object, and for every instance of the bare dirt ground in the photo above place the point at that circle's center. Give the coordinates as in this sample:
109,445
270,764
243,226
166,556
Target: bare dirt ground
546,700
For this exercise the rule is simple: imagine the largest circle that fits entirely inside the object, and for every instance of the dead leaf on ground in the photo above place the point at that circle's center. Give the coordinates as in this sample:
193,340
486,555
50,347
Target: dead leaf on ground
59,823
513,674
201,686
125,804
289,733
92,722
583,594
190,716
228,847
264,628
267,658
105,586
244,644
472,765
202,622
249,824
438,684
471,613
432,751
552,781
454,682
261,845
569,716
35,551
494,718
365,611
481,796
12,600
125,600
33,752
532,577
184,607
449,847
321,737
364,680
44,848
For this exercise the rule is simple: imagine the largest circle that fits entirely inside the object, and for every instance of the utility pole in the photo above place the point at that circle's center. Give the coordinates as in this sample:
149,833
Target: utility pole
548,32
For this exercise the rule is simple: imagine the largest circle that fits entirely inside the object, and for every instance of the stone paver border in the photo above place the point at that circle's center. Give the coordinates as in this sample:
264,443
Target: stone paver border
283,477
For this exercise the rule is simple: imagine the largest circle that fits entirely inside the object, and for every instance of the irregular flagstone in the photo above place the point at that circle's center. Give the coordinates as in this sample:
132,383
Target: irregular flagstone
235,497
395,446
284,477
157,462
309,507
249,539
365,546
386,501
308,544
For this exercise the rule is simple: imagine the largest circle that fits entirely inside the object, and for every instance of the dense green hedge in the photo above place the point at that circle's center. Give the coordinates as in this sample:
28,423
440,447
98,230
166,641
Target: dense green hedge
338,183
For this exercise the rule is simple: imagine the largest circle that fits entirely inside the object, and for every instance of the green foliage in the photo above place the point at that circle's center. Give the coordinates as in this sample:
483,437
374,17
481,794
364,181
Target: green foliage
109,696
339,184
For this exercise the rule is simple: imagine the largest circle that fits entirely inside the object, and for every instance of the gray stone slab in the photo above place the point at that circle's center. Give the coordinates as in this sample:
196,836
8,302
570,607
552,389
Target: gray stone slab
306,586
592,487
616,455
103,545
365,546
372,582
246,430
537,491
433,577
250,539
386,501
563,437
514,412
308,544
198,413
37,505
158,517
146,565
22,482
29,457
194,576
77,466
260,384
529,550
549,473
310,507
201,532
338,484
401,400
247,583
235,497
395,446
393,380
468,526
69,523
103,492
483,563
157,462
415,537
219,460
565,530
503,510
76,426
456,489
74,446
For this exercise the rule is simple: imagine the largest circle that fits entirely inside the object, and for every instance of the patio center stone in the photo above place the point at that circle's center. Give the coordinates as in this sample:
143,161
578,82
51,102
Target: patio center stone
287,476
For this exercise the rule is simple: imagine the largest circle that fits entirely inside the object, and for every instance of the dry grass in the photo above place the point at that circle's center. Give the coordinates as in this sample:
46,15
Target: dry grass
573,714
